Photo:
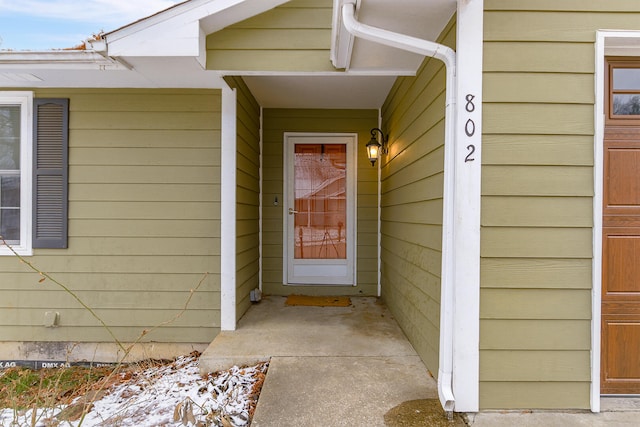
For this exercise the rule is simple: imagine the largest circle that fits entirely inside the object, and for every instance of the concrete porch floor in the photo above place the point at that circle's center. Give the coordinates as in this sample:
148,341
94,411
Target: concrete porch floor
330,366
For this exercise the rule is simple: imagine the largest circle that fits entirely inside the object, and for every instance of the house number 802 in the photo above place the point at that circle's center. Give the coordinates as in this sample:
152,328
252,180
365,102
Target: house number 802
470,127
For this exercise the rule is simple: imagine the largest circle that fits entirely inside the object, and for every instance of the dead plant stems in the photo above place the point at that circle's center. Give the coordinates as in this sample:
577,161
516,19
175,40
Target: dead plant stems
126,350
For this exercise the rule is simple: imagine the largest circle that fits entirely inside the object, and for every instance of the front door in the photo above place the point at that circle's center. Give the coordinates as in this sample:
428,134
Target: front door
319,213
620,370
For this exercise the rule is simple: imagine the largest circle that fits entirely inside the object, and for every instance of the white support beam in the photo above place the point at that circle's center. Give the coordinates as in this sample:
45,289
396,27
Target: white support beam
228,212
466,246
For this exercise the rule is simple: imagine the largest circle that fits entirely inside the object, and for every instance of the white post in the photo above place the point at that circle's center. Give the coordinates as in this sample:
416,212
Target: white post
466,268
228,212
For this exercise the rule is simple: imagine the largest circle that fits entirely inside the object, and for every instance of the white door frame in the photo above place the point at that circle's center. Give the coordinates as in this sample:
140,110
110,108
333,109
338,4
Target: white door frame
609,43
350,278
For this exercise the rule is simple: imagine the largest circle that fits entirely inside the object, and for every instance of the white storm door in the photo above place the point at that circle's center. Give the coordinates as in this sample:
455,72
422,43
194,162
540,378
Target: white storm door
320,209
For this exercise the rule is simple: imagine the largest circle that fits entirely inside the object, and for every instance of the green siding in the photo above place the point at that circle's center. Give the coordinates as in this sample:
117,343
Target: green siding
293,37
412,198
275,123
537,190
144,209
247,195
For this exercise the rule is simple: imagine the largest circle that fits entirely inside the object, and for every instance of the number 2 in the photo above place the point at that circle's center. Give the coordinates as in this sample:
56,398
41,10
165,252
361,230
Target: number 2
472,149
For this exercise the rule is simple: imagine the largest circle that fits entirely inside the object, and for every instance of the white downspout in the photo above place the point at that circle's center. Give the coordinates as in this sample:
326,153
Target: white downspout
448,56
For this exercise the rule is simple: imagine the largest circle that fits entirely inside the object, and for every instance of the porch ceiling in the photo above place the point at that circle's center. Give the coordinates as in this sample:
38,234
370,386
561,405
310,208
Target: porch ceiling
339,91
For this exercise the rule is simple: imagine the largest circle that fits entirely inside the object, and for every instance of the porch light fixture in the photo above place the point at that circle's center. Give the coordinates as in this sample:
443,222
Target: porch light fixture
374,148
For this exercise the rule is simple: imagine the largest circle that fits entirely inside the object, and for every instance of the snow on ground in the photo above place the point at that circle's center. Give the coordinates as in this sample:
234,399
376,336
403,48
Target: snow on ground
174,394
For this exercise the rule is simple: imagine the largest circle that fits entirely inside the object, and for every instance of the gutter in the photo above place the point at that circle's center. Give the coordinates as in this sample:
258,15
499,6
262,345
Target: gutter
59,59
448,57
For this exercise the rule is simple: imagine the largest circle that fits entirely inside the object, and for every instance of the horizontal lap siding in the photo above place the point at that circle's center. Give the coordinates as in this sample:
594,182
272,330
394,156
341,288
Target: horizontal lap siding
293,37
144,210
247,195
412,198
537,192
275,123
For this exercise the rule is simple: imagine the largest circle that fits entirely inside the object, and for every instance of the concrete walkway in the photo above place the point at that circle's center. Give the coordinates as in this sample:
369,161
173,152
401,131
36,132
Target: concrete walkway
330,366
351,366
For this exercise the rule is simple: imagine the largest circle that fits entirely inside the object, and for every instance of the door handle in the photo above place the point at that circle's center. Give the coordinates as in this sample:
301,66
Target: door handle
291,211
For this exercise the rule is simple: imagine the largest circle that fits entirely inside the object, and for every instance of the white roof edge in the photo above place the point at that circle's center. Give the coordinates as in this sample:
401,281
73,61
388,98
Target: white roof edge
197,10
56,59
46,55
159,17
177,31
146,37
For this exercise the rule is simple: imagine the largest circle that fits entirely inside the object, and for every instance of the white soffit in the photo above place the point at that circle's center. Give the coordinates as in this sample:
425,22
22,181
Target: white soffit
340,91
424,19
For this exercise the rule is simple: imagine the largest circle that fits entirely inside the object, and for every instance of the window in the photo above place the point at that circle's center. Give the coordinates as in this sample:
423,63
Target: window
15,170
624,91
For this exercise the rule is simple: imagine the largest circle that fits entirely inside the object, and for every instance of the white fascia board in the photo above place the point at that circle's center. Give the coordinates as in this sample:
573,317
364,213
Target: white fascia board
202,52
58,60
164,39
176,31
186,12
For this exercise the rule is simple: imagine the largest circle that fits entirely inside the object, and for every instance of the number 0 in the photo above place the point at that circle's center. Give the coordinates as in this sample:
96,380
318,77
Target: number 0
470,128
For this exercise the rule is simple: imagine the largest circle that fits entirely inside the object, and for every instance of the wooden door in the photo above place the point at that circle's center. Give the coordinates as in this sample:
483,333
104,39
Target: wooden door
620,368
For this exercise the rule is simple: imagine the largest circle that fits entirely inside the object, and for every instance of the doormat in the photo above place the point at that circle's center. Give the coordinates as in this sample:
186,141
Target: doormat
307,300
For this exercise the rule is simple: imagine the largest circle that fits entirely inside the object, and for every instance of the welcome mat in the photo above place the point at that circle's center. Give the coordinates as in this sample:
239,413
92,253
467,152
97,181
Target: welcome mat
307,300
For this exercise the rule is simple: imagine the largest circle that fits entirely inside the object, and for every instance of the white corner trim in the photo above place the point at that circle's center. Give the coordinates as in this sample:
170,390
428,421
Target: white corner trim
596,268
261,200
615,43
228,212
25,100
466,225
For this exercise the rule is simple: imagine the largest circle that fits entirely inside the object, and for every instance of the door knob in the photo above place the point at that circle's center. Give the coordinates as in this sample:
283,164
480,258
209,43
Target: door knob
291,211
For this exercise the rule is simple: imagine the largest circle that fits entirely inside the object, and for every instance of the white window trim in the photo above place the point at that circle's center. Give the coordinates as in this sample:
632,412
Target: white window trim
25,100
608,43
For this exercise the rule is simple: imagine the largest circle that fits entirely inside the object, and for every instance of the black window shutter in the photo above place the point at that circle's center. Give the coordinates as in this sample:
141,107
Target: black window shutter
50,172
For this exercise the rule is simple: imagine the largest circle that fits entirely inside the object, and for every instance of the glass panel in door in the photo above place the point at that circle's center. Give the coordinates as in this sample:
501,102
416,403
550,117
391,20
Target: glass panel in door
320,172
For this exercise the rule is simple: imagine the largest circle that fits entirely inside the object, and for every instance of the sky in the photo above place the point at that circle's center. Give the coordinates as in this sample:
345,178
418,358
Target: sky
56,24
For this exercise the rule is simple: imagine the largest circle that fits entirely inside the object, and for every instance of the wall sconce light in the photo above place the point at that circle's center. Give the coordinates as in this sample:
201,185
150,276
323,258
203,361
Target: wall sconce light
374,148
